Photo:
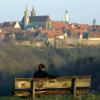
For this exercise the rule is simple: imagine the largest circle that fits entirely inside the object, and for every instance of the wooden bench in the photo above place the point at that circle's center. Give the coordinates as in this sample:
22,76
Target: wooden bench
75,85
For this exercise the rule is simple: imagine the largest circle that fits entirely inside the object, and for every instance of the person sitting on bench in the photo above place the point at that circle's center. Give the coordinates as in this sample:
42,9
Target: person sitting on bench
41,73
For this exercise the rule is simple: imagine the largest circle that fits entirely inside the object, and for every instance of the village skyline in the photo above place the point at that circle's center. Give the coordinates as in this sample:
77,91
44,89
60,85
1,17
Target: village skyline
79,11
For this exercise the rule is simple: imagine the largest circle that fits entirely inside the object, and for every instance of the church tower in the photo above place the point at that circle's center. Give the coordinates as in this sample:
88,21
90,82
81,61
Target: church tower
33,13
94,24
26,17
66,16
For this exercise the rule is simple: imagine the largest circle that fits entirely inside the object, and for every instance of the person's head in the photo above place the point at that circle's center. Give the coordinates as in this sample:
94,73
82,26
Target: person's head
41,67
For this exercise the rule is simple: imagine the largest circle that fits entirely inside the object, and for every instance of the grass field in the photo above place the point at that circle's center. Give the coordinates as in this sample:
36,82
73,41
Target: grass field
60,97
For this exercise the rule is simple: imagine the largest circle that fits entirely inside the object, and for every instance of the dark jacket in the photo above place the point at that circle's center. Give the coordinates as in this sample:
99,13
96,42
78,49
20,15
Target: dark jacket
43,74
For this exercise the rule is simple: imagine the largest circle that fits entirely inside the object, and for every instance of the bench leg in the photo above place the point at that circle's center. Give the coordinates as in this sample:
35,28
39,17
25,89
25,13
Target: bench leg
73,87
33,92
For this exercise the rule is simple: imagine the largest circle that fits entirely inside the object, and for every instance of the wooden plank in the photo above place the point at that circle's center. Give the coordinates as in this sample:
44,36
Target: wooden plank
51,92
53,83
63,82
23,83
85,82
22,93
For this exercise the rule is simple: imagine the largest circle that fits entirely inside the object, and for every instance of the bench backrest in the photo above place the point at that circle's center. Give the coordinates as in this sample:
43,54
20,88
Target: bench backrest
63,82
72,84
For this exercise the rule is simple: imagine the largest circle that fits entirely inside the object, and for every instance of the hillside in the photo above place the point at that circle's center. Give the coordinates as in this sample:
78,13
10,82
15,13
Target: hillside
21,61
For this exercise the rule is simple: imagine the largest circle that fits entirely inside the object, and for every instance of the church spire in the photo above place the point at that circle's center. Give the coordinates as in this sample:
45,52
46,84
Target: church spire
66,16
26,13
94,24
33,13
26,17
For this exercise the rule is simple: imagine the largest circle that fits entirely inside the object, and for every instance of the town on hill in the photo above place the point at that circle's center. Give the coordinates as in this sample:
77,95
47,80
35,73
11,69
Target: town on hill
41,31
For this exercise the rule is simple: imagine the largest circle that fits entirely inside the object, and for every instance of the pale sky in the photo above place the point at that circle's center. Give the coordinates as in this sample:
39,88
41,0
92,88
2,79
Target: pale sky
81,11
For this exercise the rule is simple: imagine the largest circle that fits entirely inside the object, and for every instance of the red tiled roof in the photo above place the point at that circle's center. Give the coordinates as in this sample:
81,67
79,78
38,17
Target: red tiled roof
84,26
52,33
59,24
76,30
